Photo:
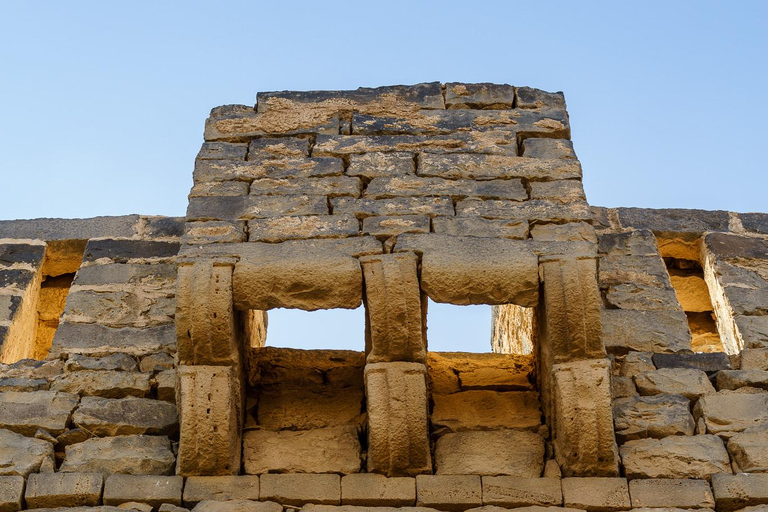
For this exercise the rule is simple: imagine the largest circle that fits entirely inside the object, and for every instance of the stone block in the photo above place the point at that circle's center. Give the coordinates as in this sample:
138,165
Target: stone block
405,186
97,340
127,307
126,416
371,490
26,412
479,96
735,379
219,188
210,417
487,410
548,148
697,456
243,123
122,251
497,142
157,362
277,167
134,455
299,489
278,147
689,382
63,490
730,411
220,488
150,489
222,150
733,492
673,220
364,207
479,227
396,329
310,370
753,330
596,494
529,97
279,229
308,280
583,424
749,450
515,491
450,372
320,450
452,493
398,438
755,222
706,362
12,493
677,493
215,231
754,359
21,455
534,210
70,229
559,191
473,270
497,452
104,383
657,416
112,362
304,408
333,186
376,165
393,225
161,227
236,506
254,207
568,232
644,331
475,166
622,387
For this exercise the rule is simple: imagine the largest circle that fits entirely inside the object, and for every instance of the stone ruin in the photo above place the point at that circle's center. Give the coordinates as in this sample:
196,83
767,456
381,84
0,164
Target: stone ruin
628,359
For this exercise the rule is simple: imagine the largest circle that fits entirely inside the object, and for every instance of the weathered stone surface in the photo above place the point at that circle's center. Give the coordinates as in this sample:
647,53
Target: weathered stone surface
374,165
498,452
753,330
210,419
393,225
498,142
534,210
473,270
657,416
220,488
300,489
122,251
311,370
622,387
242,123
69,229
405,186
673,220
150,489
689,382
712,362
487,410
25,413
279,229
305,408
398,442
644,331
513,491
532,508
733,492
396,329
749,450
63,490
222,150
371,490
269,167
452,493
479,227
364,207
93,339
675,457
215,231
596,494
112,362
165,385
560,191
322,450
474,166
157,362
21,455
103,383
479,96
335,186
124,454
529,97
735,379
450,372
254,207
583,424
548,148
729,411
126,416
237,506
220,189
755,222
12,493
291,147
568,232
308,280
679,493
754,359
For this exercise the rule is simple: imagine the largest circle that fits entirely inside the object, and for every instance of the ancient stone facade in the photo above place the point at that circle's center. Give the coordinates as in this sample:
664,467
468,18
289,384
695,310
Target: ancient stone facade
627,366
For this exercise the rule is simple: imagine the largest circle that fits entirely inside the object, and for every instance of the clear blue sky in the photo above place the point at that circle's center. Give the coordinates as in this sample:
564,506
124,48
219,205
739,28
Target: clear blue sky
104,103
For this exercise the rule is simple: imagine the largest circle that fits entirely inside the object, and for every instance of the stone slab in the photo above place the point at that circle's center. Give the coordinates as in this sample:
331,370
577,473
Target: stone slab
299,489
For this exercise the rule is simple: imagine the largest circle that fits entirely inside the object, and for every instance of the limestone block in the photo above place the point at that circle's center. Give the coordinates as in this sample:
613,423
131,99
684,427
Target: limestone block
312,370
532,508
220,488
675,457
299,489
753,330
398,439
497,452
539,210
291,147
568,232
214,231
479,96
69,229
487,410
675,220
749,450
372,490
735,379
237,506
280,167
308,280
515,491
470,270
150,489
126,416
492,142
254,207
280,229
754,359
479,227
103,383
63,490
645,331
733,492
688,382
205,321
165,385
112,362
393,225
452,493
304,408
365,207
560,191
133,455
333,186
583,424
12,493
210,414
548,148
405,186
729,411
321,450
596,494
477,166
25,413
678,493
706,362
450,372
657,416
529,97
635,363
622,387
571,310
396,329
99,340
375,165
21,455
219,188
217,150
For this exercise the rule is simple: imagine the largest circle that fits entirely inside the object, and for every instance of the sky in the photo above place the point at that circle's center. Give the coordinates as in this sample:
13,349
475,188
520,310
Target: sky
104,102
